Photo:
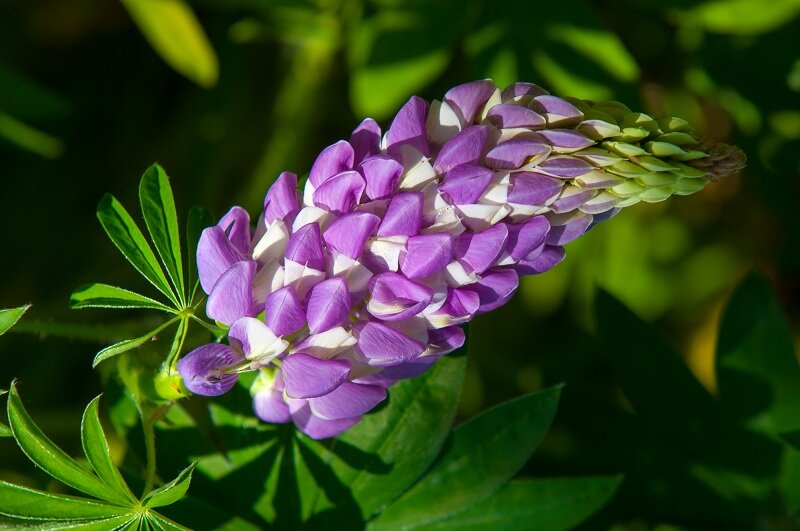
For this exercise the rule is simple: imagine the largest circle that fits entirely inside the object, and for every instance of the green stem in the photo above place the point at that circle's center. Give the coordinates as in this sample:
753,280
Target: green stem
150,450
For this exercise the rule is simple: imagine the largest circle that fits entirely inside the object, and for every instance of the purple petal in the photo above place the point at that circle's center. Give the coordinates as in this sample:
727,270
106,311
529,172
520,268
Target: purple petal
408,127
215,255
522,89
557,111
305,247
525,237
347,401
283,312
571,198
281,201
315,427
445,340
466,147
460,303
328,305
464,184
550,257
270,407
495,288
603,216
366,140
340,193
236,225
467,99
565,167
426,254
348,233
383,346
513,153
566,139
480,250
201,369
232,296
563,234
332,160
389,375
309,377
381,174
531,188
403,216
511,115
394,297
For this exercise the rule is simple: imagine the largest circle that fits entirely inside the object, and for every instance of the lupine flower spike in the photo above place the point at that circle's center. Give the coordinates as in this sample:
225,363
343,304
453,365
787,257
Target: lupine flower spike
363,278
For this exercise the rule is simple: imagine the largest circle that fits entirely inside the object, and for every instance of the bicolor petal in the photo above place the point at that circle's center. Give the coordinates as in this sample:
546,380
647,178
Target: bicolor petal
203,369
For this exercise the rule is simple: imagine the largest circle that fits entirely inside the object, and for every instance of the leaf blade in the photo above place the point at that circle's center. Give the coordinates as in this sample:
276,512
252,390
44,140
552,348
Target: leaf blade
21,502
128,344
161,218
49,457
128,238
9,317
552,504
172,491
483,454
97,453
175,34
99,295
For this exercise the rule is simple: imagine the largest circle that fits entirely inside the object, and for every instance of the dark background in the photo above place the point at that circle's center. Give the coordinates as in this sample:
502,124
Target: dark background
87,103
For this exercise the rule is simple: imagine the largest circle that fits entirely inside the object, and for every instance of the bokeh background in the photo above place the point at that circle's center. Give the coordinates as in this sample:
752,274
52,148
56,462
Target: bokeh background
225,94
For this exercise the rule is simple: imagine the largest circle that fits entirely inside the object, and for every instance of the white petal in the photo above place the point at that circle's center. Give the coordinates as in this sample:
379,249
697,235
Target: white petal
311,214
301,276
329,343
388,250
442,123
264,345
268,279
458,276
308,194
494,99
497,191
418,171
272,245
356,274
481,217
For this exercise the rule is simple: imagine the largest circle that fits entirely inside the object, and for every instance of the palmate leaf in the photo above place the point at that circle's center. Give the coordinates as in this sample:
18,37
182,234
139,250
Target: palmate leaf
106,296
123,231
11,316
478,458
129,344
158,210
115,506
551,504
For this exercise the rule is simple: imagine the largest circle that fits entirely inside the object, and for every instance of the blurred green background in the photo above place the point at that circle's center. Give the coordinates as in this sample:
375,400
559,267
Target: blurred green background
225,94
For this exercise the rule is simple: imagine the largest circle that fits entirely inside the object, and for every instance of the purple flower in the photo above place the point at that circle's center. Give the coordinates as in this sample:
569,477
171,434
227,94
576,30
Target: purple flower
362,280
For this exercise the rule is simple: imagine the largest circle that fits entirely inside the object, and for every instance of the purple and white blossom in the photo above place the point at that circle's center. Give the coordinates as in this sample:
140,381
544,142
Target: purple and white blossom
363,278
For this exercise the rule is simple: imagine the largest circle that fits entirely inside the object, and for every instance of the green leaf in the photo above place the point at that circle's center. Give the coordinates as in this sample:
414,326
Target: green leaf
743,17
479,457
551,504
51,458
124,521
158,210
22,502
123,231
757,371
29,138
792,438
172,491
5,431
199,218
161,522
128,344
105,296
174,32
96,449
401,440
9,317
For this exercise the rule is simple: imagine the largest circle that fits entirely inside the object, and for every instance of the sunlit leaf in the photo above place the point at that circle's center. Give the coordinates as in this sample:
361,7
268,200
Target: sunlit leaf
123,231
199,218
51,458
22,502
172,491
106,296
97,453
128,344
171,28
123,522
480,456
400,440
9,317
29,138
758,373
744,17
158,210
551,504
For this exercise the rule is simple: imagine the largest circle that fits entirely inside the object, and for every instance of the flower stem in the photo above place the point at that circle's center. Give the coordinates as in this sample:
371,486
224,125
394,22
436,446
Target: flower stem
150,450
